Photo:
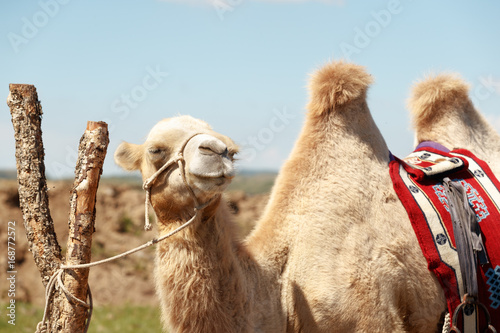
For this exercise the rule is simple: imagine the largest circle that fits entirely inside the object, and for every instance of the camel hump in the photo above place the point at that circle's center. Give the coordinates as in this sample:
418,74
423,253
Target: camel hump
336,84
436,95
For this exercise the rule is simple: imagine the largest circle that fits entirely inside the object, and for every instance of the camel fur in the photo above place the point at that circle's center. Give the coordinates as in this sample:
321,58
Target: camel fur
442,111
333,251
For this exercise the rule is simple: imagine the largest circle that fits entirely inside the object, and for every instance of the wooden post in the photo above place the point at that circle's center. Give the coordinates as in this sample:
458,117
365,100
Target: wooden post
26,114
26,111
91,154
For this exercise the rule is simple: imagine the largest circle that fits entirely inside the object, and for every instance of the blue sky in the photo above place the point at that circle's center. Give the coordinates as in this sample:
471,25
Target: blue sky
241,65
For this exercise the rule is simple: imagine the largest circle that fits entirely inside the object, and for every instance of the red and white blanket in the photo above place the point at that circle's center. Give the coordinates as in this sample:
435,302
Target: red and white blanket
418,180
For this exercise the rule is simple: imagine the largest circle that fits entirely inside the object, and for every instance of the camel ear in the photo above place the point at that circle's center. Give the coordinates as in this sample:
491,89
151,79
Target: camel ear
128,156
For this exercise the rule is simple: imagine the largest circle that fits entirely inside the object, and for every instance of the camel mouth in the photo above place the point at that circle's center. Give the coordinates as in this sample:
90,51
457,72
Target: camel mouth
214,179
210,184
227,173
222,181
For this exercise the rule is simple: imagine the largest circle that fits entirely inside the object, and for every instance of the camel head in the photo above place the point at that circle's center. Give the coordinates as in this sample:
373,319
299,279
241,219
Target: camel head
181,157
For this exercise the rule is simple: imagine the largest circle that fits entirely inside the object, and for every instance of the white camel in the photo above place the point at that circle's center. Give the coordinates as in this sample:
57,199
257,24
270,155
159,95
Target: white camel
333,251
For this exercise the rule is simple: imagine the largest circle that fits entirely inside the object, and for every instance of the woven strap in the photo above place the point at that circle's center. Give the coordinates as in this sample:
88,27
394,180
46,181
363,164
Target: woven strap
467,235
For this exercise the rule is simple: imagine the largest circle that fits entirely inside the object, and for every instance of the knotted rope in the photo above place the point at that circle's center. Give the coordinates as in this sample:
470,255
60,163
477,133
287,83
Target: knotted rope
447,323
55,280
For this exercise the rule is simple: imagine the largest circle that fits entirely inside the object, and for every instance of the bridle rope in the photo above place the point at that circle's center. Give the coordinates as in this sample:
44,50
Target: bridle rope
179,159
55,280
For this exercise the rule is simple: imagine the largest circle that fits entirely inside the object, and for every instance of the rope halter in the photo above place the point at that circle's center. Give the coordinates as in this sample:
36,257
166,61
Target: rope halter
178,159
56,279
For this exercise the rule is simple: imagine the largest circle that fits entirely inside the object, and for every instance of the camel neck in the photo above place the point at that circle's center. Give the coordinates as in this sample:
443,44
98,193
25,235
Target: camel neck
202,270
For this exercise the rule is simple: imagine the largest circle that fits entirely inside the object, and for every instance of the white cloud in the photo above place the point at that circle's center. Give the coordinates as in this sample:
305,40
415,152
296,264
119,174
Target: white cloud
239,2
190,2
333,2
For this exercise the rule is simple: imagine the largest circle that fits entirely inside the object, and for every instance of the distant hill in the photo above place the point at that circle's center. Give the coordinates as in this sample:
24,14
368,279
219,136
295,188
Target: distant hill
8,174
249,181
253,181
131,180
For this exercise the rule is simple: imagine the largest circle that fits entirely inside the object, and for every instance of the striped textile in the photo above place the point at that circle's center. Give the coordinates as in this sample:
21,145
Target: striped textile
418,181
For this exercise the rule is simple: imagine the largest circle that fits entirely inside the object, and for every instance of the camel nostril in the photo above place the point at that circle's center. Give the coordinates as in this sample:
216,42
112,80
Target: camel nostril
206,151
211,147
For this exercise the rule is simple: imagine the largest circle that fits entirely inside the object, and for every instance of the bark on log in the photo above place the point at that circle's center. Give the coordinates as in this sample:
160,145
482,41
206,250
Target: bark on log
26,111
91,154
26,114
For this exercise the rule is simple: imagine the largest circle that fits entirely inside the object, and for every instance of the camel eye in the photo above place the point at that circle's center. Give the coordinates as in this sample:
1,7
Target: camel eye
155,151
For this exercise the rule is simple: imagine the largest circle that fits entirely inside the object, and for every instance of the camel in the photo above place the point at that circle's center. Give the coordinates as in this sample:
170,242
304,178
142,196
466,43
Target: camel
333,250
442,111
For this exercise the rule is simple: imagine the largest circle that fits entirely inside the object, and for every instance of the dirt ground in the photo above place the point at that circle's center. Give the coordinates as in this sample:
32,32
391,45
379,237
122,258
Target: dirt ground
119,227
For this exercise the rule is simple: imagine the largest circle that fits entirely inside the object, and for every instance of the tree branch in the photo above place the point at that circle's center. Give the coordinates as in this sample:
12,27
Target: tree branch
65,315
91,154
26,114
